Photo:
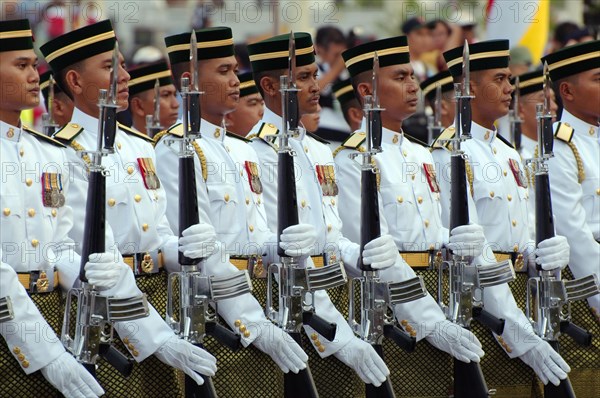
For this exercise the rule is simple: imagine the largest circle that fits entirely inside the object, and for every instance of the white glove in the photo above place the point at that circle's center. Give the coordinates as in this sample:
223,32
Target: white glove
70,378
456,341
553,253
361,357
102,270
198,241
467,240
279,345
298,240
380,253
187,357
546,363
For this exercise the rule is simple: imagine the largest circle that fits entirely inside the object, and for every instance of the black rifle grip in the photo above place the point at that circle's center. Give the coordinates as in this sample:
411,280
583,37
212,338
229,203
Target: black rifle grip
95,217
370,227
293,111
385,390
488,320
469,381
116,359
287,208
376,129
110,128
564,388
188,202
459,205
544,222
401,338
301,384
518,133
577,333
321,326
223,335
194,112
465,117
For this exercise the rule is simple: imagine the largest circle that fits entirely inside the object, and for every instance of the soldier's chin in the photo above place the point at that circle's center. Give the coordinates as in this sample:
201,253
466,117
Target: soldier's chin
122,105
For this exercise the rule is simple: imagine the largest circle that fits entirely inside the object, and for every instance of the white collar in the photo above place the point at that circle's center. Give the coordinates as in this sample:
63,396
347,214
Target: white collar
582,129
9,132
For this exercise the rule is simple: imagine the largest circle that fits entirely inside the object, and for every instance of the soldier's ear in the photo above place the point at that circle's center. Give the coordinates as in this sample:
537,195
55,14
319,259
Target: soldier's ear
74,83
566,91
363,89
269,86
135,105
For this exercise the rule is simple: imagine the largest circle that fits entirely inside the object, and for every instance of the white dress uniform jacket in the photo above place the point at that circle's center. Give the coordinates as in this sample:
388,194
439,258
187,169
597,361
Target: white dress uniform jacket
576,205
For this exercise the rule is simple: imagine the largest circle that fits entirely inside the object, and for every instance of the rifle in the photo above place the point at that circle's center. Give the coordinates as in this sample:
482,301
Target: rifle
434,122
198,294
153,126
376,296
49,124
467,281
549,297
6,309
514,119
97,314
296,283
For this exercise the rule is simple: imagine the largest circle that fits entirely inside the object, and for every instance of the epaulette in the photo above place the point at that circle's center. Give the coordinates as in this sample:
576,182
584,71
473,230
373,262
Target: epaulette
176,130
267,132
238,137
316,137
416,141
355,142
441,141
507,142
564,132
43,137
68,133
134,132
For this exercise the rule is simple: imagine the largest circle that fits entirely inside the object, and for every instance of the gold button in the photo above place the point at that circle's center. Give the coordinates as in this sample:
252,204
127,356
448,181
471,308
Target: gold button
514,223
318,343
321,349
135,353
125,341
400,199
242,328
31,212
131,346
35,242
413,177
6,211
492,194
21,357
118,145
508,349
25,364
17,350
111,202
303,203
237,323
494,150
137,198
591,131
329,227
515,248
217,133
404,322
10,133
53,212
487,135
333,202
145,227
505,173
395,139
28,182
258,201
247,201
75,125
130,170
314,336
251,228
226,197
426,222
306,149
509,197
241,173
404,153
413,333
420,200
598,191
247,334
21,152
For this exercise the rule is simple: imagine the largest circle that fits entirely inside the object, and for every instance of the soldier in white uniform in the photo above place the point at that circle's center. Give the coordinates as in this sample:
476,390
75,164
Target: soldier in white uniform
62,106
317,188
575,168
34,247
250,109
224,167
351,109
81,60
141,95
498,188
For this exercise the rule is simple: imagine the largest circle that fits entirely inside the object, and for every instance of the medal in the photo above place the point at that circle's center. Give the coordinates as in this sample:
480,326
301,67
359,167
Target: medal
517,173
253,177
148,172
431,177
331,177
52,195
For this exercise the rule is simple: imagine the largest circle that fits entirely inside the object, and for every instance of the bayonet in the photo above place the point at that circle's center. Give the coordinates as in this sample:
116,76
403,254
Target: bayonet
194,62
193,95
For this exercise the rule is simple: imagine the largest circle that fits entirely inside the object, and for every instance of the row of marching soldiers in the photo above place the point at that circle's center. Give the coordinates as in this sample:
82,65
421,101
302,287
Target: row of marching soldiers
43,201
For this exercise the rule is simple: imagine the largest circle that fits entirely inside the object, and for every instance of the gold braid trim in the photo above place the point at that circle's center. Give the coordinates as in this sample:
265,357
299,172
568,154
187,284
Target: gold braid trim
580,171
249,137
77,146
158,136
341,148
202,159
469,171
